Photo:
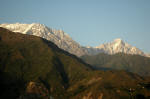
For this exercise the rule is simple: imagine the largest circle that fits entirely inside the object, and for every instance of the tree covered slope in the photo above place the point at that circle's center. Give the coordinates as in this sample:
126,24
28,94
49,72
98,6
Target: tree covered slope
132,63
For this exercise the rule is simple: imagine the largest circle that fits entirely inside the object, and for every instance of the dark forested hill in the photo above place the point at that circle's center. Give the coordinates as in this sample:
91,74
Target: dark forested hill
132,63
34,68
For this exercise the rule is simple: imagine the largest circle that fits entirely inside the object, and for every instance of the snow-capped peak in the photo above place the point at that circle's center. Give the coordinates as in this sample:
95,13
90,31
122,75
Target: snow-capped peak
118,42
119,46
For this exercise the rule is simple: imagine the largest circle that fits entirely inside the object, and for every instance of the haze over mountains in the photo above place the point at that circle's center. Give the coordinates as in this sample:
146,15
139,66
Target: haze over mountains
64,41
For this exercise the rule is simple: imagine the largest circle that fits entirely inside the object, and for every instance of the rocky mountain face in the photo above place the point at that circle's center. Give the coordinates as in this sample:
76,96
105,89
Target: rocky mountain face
64,41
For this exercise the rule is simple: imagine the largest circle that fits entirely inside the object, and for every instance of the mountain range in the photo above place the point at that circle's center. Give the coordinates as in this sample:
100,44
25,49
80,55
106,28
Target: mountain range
59,37
32,67
64,41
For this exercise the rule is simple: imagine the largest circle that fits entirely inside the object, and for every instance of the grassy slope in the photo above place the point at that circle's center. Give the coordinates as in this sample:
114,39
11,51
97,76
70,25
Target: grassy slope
25,58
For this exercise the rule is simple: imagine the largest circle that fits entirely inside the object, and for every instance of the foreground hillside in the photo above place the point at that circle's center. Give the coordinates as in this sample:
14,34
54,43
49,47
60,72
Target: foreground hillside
34,68
132,63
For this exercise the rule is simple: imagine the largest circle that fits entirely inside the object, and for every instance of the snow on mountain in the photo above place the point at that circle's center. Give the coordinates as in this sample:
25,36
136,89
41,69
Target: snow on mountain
64,41
119,46
59,37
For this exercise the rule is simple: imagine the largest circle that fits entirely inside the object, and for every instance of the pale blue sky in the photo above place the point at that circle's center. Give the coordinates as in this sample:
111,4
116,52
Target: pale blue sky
89,22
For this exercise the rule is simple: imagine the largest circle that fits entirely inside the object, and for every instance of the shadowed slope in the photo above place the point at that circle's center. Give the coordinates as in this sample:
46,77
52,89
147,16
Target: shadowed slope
33,68
29,58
